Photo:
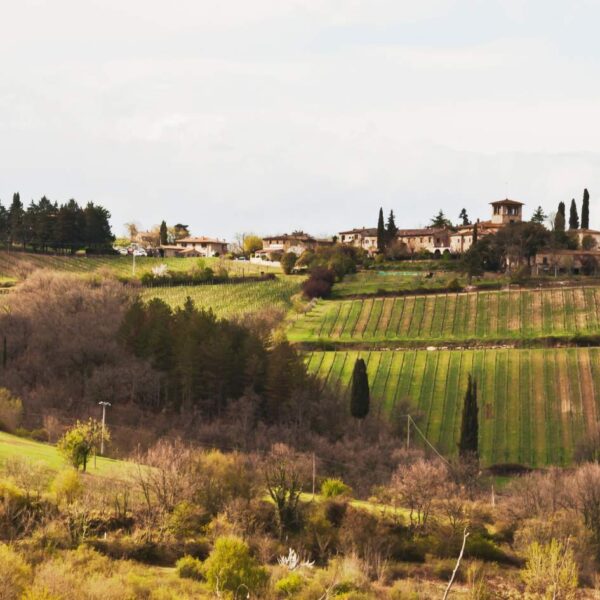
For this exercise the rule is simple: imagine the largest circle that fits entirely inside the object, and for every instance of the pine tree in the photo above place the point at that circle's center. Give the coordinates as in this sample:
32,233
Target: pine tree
585,210
360,398
560,220
440,221
538,216
391,230
16,216
573,216
381,232
468,445
164,234
464,217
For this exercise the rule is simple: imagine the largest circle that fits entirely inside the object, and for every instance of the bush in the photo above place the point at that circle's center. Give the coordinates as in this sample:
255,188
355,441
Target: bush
189,567
67,486
288,261
483,549
332,488
230,567
320,283
290,585
11,411
187,520
14,574
80,441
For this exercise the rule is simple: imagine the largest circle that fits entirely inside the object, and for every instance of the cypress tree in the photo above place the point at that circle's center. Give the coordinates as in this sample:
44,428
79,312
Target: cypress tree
360,398
164,236
585,210
469,429
559,220
391,228
474,234
573,216
381,232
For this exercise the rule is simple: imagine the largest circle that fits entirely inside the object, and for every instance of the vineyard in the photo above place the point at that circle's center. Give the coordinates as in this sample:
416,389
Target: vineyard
497,315
230,299
17,264
534,405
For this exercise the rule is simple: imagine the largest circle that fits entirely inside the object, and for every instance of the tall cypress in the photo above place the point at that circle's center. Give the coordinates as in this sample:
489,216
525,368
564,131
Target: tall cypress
391,228
360,397
468,445
573,216
585,210
381,232
164,235
474,234
559,220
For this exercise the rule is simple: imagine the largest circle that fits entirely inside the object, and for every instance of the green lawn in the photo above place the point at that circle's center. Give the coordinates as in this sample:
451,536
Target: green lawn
534,405
490,315
11,445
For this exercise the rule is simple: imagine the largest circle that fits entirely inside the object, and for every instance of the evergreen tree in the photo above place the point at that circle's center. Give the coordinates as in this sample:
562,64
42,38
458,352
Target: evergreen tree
475,234
4,224
585,210
573,216
97,232
560,219
464,217
468,445
164,234
16,216
391,230
538,216
381,236
360,397
440,221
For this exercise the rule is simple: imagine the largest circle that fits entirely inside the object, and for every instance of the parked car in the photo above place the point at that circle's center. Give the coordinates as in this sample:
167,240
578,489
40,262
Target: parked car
241,258
140,252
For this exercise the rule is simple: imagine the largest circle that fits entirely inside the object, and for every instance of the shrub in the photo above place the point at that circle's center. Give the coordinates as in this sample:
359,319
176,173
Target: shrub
290,585
332,488
67,486
11,411
189,567
230,567
14,574
187,520
80,441
316,288
550,571
288,262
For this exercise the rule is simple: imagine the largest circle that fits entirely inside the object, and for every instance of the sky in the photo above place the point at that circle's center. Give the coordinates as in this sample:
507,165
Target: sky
267,116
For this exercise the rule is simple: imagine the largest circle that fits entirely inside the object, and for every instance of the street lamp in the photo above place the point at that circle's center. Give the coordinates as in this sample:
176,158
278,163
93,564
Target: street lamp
104,405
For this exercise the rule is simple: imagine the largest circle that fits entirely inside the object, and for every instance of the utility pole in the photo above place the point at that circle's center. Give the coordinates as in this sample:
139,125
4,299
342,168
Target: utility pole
314,475
104,405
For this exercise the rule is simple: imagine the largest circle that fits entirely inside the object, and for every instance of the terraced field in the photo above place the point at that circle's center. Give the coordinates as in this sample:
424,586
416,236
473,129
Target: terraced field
230,299
494,315
534,405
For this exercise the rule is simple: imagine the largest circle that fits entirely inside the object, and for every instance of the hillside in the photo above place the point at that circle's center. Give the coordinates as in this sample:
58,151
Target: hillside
480,316
534,405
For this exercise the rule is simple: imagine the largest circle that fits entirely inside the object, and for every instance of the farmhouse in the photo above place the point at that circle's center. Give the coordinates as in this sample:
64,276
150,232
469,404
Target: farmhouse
296,242
436,241
555,261
365,238
195,247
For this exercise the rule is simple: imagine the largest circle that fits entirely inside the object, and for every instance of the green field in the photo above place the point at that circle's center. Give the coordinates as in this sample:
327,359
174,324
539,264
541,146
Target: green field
230,299
534,405
15,264
11,445
499,315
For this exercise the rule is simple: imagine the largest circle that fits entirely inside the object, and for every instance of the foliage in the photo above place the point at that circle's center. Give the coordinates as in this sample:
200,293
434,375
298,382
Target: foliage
288,262
573,216
468,446
252,243
550,572
11,411
464,217
585,210
231,568
332,488
189,567
381,234
319,284
440,221
539,216
359,395
83,439
14,574
67,486
588,242
290,585
560,218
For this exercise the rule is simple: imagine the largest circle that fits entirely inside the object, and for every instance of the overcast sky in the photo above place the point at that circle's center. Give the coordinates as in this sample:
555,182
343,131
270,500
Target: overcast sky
272,115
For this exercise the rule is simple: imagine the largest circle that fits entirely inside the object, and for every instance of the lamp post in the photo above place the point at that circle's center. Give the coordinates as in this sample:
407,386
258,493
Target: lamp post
104,405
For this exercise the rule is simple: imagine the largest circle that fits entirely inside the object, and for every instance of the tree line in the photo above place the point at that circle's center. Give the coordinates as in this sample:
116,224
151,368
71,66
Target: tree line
47,225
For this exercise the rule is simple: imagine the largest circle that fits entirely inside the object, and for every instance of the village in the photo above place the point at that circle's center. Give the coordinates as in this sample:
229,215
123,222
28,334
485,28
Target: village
434,241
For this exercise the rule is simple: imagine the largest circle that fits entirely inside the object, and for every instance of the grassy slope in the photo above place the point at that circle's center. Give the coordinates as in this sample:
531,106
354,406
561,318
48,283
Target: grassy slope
534,404
498,315
11,445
